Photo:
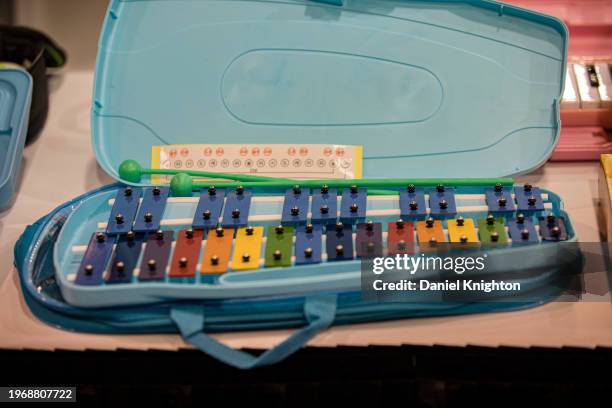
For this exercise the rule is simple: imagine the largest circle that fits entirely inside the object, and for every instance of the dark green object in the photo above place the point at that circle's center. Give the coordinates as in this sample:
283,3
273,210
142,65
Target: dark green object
486,230
279,243
36,52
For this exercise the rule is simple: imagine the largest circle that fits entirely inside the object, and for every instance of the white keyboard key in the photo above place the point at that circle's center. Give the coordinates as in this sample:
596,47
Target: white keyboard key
604,74
587,86
570,98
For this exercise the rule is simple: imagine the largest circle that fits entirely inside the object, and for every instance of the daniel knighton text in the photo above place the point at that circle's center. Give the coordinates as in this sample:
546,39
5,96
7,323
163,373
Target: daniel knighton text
413,264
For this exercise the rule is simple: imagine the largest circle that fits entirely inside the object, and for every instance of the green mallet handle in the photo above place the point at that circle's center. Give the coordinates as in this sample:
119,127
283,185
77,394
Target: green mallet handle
132,171
377,183
215,175
182,184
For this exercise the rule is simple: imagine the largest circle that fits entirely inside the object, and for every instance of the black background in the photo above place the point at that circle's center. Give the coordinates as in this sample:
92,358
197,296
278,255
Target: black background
415,376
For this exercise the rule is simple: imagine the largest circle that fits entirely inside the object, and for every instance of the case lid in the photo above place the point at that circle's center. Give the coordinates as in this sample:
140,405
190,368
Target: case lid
15,97
429,88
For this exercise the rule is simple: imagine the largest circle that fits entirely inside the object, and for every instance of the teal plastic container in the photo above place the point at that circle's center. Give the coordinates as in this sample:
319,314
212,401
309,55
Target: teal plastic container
430,89
15,96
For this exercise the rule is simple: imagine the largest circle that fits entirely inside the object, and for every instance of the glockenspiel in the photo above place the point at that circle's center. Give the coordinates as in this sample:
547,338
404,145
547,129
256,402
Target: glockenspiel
264,237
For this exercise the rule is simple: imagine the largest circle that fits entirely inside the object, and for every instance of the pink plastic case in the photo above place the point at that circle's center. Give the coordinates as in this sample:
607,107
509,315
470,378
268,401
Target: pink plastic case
585,133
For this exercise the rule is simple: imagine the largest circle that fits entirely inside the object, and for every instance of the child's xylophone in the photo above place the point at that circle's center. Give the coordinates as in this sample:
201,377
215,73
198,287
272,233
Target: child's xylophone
196,240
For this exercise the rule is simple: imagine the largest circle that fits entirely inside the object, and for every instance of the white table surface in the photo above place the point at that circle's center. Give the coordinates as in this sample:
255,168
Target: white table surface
60,165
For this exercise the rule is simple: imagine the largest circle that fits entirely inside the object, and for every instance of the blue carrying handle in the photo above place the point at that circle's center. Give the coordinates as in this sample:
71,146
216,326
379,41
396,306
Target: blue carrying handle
319,312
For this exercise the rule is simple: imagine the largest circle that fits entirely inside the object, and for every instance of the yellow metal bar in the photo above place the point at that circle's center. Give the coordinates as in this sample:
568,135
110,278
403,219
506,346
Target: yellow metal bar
247,249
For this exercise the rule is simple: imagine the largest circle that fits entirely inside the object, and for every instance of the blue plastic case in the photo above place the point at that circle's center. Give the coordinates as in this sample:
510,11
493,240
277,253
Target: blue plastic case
261,282
15,95
430,89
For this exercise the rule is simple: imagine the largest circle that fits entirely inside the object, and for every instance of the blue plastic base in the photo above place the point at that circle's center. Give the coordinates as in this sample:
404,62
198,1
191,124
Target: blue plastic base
15,96
298,279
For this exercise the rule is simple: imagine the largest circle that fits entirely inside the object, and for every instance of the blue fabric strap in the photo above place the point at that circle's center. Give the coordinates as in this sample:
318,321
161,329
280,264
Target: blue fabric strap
319,312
